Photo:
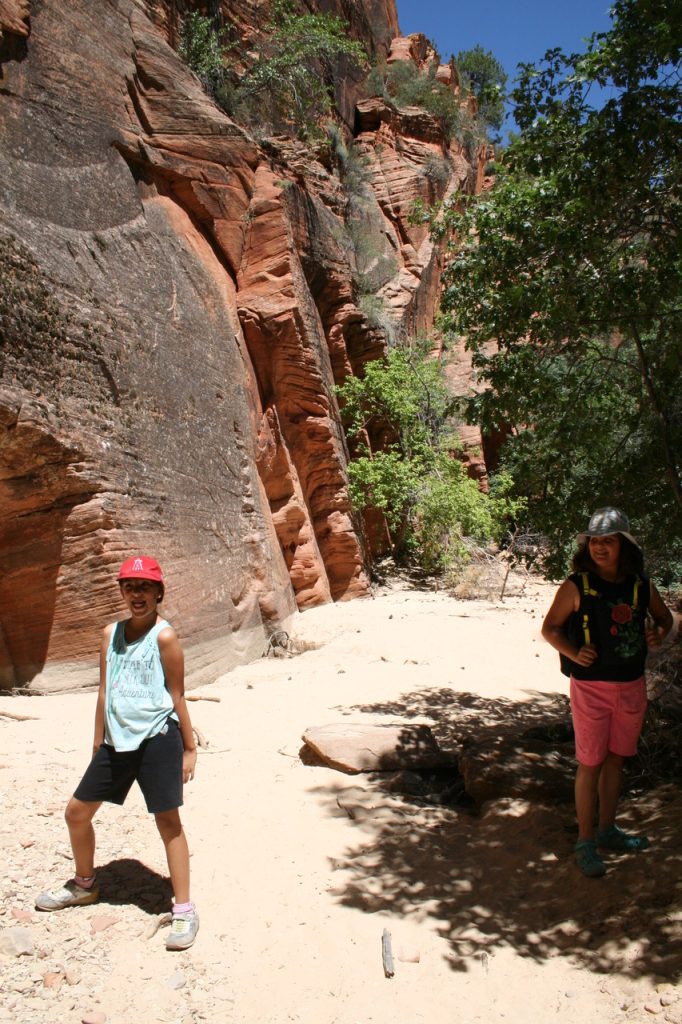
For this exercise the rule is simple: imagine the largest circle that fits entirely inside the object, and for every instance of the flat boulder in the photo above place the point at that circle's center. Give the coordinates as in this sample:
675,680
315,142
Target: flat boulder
351,747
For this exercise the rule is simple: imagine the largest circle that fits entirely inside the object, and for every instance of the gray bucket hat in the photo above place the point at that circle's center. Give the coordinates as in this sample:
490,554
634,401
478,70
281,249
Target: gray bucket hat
606,521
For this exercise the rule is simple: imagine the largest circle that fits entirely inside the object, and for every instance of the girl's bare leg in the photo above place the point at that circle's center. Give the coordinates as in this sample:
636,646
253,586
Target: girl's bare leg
177,852
586,789
610,781
79,815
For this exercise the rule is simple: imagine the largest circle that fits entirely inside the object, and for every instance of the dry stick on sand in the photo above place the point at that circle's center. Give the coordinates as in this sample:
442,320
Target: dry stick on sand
201,739
387,954
201,696
18,718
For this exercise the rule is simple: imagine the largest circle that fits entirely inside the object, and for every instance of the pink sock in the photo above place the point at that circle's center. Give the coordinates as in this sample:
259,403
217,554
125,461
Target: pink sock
85,881
182,908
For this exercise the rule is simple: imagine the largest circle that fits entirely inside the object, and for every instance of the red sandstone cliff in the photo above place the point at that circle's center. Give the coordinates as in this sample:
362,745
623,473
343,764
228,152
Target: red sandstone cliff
178,304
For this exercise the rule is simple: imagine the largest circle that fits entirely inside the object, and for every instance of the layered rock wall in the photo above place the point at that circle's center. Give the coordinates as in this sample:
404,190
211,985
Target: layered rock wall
177,303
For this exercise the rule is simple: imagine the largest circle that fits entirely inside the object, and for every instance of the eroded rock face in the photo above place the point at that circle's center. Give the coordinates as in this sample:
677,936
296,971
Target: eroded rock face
110,188
177,304
14,17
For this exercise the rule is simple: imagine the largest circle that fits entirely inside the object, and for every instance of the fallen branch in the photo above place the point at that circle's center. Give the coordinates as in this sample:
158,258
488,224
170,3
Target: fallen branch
18,718
201,739
28,691
387,954
201,696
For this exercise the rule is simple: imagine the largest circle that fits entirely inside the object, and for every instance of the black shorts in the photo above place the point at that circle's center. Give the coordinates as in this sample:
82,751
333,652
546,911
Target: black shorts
156,765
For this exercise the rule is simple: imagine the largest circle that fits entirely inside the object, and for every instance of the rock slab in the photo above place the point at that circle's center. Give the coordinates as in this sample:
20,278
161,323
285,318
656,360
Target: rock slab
353,747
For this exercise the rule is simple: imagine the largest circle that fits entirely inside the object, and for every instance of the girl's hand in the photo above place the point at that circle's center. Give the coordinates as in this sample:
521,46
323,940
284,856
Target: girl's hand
653,636
586,655
189,762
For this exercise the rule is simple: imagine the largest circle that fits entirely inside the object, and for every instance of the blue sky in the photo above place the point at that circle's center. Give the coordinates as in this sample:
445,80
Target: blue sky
515,30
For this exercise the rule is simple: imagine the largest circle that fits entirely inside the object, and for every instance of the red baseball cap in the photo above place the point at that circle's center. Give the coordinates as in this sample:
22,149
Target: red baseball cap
141,567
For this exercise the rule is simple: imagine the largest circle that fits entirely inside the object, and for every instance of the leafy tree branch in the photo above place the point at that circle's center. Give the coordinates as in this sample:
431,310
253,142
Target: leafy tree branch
573,266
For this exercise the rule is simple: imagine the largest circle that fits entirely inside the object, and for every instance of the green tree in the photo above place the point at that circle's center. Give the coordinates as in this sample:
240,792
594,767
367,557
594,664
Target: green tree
487,79
289,82
201,48
573,264
291,77
427,499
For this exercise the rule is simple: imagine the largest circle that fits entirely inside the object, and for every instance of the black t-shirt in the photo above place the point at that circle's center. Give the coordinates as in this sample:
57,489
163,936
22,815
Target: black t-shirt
612,617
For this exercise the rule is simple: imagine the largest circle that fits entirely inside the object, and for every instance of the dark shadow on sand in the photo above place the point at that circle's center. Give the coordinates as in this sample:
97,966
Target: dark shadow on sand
127,881
506,877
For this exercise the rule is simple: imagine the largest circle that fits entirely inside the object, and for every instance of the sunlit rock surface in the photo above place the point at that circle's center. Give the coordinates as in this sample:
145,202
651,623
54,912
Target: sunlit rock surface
178,303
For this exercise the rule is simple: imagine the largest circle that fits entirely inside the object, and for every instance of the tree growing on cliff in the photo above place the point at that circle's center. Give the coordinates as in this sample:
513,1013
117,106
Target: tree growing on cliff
573,263
287,82
483,74
291,78
202,48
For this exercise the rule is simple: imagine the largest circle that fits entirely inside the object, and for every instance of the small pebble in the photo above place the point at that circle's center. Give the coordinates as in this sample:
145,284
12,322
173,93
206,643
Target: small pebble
101,921
176,980
21,915
94,1017
16,941
408,956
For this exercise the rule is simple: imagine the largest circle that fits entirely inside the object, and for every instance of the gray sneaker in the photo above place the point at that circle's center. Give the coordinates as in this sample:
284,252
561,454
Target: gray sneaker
183,932
70,895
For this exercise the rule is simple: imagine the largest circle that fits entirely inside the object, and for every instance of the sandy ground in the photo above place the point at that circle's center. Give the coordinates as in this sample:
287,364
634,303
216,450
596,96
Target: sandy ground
298,870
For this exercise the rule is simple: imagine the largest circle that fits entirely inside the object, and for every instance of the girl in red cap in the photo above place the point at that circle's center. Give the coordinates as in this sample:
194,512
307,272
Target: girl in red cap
143,733
598,623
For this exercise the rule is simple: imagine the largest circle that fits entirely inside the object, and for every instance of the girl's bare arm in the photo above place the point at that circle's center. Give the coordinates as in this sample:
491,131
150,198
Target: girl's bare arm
173,662
663,619
98,738
566,601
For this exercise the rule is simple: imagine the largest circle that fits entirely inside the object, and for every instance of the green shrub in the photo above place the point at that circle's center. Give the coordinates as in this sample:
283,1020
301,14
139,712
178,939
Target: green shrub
437,171
290,80
450,506
374,308
288,85
201,48
404,85
425,495
384,481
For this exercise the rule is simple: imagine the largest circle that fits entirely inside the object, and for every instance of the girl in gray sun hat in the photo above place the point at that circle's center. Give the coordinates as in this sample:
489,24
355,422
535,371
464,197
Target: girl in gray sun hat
598,624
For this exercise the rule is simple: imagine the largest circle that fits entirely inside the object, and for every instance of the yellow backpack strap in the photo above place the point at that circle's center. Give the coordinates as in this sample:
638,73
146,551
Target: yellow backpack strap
586,629
635,592
586,619
587,589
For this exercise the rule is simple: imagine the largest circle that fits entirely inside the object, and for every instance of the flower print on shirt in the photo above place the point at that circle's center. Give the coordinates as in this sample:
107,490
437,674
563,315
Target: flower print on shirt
626,629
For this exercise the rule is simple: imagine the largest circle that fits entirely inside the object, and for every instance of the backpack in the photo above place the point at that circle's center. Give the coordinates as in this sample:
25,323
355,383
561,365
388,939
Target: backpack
582,626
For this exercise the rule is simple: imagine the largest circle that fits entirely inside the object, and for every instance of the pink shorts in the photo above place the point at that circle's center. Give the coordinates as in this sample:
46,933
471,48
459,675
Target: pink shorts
607,718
